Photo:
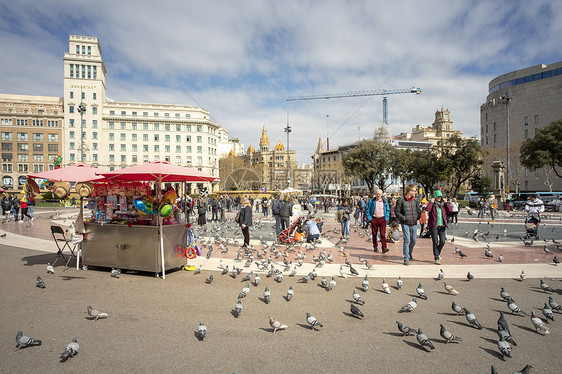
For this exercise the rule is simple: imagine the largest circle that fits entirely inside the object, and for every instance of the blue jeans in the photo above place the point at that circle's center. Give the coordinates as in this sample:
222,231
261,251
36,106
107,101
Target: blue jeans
277,224
30,210
492,213
410,236
345,228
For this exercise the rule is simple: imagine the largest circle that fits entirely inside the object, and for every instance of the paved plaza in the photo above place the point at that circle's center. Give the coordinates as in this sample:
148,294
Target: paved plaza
151,321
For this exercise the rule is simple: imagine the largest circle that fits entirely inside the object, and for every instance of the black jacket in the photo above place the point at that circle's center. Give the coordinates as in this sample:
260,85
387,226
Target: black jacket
286,209
246,216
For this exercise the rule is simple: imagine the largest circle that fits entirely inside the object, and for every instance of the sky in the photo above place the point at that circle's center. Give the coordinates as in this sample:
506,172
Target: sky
242,59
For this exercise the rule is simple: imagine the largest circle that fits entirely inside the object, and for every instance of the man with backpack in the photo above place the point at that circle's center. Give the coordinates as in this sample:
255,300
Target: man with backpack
408,212
275,210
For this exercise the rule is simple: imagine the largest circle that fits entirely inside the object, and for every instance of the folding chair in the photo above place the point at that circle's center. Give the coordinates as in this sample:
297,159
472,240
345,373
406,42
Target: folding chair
62,242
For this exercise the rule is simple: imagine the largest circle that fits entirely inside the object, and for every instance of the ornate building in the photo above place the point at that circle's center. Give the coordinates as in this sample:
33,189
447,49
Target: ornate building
441,129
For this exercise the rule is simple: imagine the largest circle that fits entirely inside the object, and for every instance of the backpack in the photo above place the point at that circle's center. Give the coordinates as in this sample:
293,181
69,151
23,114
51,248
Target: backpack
276,207
237,218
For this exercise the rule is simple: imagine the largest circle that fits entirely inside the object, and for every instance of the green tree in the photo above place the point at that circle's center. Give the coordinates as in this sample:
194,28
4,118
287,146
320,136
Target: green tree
371,161
481,185
427,169
545,149
463,159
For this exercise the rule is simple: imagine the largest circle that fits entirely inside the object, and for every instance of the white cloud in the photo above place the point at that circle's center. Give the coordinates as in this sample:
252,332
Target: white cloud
242,59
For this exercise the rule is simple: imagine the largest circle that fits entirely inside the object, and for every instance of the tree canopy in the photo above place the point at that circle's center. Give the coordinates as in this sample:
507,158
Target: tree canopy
427,168
545,149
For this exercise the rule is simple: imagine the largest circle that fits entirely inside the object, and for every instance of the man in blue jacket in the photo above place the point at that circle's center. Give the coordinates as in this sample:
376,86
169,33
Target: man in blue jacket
378,213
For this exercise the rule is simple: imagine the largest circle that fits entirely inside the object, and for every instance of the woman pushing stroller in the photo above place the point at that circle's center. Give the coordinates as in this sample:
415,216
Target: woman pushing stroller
534,207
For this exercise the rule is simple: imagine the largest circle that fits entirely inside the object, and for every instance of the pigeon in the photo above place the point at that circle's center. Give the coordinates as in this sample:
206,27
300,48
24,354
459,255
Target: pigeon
545,287
246,289
324,282
522,276
500,259
257,280
279,278
448,336
488,253
547,313
525,370
424,340
267,295
546,250
248,276
25,341
332,284
472,319
462,254
505,335
225,270
494,371
238,308
39,282
198,270
538,324
342,272
4,235
554,305
201,331
556,261
405,330
352,270
457,309
276,325
503,294
209,279
96,314
305,279
355,311
50,269
365,284
399,282
513,307
469,276
312,321
115,273
71,350
504,347
502,323
441,274
290,293
410,306
450,289
358,298
385,286
421,292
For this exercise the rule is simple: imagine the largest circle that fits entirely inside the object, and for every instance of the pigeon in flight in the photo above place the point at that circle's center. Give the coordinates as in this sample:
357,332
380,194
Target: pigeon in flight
312,321
201,331
96,314
276,325
449,337
39,282
25,341
71,350
405,330
424,340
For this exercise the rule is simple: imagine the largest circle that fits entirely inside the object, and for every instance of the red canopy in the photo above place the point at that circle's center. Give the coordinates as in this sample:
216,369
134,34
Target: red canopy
79,172
160,171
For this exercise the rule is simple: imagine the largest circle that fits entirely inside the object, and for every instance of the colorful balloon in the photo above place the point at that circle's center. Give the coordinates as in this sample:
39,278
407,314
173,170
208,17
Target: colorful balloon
165,209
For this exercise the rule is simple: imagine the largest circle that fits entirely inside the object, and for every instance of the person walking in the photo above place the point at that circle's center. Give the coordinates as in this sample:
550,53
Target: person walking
285,213
6,206
481,207
31,204
16,208
24,208
245,220
344,213
202,212
493,203
455,211
437,223
275,210
408,212
378,213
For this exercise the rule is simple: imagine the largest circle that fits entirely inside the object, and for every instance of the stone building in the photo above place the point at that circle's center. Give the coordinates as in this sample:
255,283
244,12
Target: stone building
441,129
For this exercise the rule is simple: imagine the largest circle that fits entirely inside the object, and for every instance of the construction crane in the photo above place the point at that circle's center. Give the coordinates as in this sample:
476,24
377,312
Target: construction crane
363,93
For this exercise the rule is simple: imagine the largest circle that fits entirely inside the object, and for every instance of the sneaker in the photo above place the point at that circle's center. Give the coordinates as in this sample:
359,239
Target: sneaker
411,257
384,250
375,249
406,262
437,262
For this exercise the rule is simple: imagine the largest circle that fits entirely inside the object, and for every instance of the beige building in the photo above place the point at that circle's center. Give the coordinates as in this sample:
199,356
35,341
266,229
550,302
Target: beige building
31,134
441,129
528,99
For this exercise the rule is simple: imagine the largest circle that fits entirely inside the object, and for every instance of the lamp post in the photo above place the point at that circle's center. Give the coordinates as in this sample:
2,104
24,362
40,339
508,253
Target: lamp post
288,131
82,110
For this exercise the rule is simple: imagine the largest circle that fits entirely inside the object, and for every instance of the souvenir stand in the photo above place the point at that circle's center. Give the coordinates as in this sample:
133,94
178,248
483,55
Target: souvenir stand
132,229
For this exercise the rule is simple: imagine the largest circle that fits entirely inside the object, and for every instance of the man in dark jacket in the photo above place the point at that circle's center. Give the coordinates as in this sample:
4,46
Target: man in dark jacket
246,220
408,212
275,210
285,212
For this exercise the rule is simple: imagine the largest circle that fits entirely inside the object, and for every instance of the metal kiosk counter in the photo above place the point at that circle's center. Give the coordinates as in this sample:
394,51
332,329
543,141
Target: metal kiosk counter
133,248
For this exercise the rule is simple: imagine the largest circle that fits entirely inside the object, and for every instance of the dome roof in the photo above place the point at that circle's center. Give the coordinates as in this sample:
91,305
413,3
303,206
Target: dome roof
250,149
279,146
382,132
231,153
264,140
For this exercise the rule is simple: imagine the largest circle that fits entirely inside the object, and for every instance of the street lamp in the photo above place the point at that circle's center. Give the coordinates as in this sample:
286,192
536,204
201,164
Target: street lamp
82,110
288,131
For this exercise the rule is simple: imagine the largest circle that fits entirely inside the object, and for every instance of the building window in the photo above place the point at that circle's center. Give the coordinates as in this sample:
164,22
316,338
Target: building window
95,157
95,73
95,146
199,139
123,158
178,148
134,158
156,137
494,138
71,108
53,137
134,147
123,126
7,168
145,126
145,158
6,136
187,127
145,148
526,185
494,126
37,147
123,136
94,135
178,127
53,148
178,160
22,157
166,138
37,137
6,157
71,134
167,148
188,138
156,148
111,136
526,121
199,149
71,92
83,95
94,110
526,133
111,125
133,113
536,119
167,127
199,127
188,159
178,138
37,158
6,146
111,112
111,158
155,114
188,149
134,137
133,126
145,114
112,147
22,168
145,137
94,96
156,127
486,140
123,147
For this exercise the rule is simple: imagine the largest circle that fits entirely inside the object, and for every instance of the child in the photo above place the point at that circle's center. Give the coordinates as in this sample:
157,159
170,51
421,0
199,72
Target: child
423,219
319,224
393,233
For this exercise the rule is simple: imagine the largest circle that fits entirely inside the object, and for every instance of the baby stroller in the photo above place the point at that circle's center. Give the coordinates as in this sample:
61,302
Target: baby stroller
287,236
532,226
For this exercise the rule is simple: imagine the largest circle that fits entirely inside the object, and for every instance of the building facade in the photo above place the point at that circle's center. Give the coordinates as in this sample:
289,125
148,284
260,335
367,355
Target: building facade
31,136
110,134
440,129
522,101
